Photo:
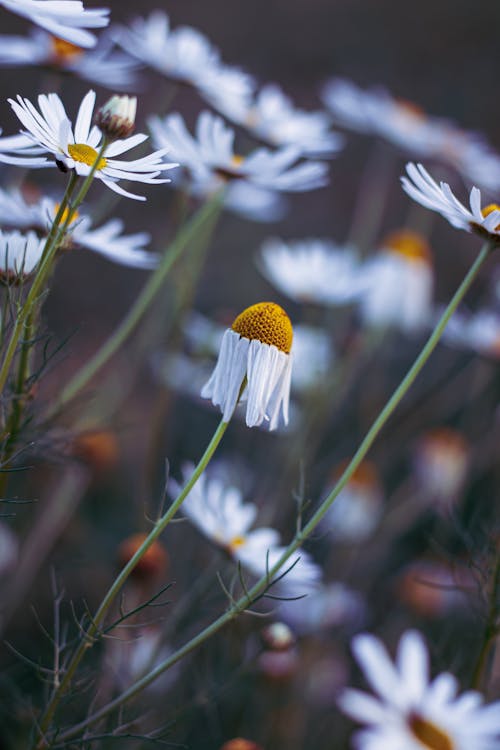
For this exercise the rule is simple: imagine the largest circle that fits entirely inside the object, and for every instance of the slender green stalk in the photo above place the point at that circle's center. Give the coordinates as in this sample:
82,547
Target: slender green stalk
134,316
260,587
92,633
490,631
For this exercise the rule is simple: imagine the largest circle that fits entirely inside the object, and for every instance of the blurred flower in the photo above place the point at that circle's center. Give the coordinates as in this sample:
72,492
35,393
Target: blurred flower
240,744
313,357
103,64
255,365
278,666
153,564
398,283
274,119
68,20
420,186
130,658
479,331
329,605
9,550
432,588
312,270
376,112
356,510
411,712
52,130
19,254
212,163
106,240
184,55
441,461
278,636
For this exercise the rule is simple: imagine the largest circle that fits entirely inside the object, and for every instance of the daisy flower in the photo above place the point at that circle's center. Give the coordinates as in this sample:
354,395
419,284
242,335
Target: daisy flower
411,712
441,461
19,254
327,606
78,148
273,118
103,65
478,331
356,512
68,20
211,161
313,357
420,186
398,283
311,270
184,55
107,240
254,365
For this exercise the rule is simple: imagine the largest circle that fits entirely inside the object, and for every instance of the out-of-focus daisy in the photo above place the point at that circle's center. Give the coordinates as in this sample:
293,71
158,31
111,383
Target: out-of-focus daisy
312,270
441,461
274,119
19,254
103,65
68,20
410,712
78,148
356,511
212,163
254,365
329,605
432,588
478,331
184,55
420,186
107,240
313,357
375,112
134,653
398,283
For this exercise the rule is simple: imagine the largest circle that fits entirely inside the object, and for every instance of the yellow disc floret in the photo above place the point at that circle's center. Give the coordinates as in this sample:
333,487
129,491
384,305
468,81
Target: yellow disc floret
428,734
487,210
85,154
266,322
64,51
410,244
65,214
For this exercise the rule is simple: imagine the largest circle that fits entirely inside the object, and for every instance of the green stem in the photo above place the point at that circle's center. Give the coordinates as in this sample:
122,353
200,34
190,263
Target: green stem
92,632
260,587
490,629
137,311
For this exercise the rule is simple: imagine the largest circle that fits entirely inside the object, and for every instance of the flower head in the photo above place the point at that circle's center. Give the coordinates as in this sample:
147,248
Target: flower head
78,148
116,118
19,254
255,365
420,186
68,20
410,712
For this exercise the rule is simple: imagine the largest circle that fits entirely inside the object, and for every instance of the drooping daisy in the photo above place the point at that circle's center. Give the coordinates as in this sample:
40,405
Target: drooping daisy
68,20
410,712
398,283
107,240
211,162
19,254
103,64
254,365
312,270
273,118
78,148
184,55
357,509
420,186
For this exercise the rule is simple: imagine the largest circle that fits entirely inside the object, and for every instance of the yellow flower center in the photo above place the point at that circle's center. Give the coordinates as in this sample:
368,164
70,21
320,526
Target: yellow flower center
266,322
237,541
65,214
487,210
85,154
64,51
428,734
411,245
232,171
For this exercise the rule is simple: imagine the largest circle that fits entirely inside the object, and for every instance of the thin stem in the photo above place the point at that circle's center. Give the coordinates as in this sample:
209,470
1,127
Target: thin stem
92,633
137,311
490,628
245,601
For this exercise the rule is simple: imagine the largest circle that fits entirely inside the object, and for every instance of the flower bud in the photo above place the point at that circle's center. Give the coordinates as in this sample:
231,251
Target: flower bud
116,118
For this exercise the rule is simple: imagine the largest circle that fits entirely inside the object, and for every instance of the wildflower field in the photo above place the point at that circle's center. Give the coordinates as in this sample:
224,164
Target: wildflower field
249,337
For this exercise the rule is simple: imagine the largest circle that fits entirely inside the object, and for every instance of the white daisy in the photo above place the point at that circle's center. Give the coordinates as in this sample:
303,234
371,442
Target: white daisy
312,270
78,149
103,64
398,283
19,254
376,112
211,161
184,55
273,118
326,606
356,512
410,712
254,365
313,357
478,331
420,186
67,19
107,240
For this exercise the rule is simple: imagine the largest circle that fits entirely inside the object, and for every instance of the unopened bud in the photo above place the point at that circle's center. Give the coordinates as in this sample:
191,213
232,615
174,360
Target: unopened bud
278,636
116,118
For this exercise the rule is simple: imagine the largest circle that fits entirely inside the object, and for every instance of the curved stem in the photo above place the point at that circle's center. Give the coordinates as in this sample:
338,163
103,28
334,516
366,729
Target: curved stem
137,311
241,604
92,633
